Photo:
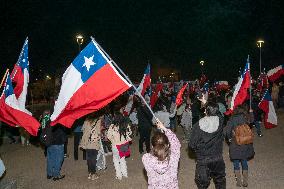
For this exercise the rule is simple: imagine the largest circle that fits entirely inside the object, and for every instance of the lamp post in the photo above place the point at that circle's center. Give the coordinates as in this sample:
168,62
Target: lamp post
259,45
202,64
80,40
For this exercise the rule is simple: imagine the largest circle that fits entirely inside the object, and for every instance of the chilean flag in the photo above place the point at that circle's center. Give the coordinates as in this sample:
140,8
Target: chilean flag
222,85
89,83
266,105
146,81
11,112
156,94
20,76
241,89
275,73
179,98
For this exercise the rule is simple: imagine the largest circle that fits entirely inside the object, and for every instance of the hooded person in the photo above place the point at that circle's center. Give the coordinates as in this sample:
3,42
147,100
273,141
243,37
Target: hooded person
207,142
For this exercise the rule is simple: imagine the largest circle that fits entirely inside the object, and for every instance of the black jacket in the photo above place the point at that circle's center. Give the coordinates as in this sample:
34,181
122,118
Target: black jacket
59,135
207,138
144,118
238,151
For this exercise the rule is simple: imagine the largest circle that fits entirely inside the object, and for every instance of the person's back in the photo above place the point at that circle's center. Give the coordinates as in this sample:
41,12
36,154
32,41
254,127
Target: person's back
207,142
144,117
162,171
207,138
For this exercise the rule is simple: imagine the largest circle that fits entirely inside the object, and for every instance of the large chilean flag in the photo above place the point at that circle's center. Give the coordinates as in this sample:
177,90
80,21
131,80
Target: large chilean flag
88,84
241,89
146,81
275,73
20,76
266,105
11,112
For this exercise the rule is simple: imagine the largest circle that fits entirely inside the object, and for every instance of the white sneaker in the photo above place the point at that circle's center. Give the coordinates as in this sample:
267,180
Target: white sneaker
118,178
89,176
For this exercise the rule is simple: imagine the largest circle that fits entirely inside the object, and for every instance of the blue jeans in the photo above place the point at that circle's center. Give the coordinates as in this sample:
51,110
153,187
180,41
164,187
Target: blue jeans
237,164
55,157
257,126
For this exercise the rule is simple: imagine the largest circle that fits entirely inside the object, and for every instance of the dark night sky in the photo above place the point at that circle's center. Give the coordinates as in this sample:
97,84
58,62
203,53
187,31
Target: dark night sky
173,33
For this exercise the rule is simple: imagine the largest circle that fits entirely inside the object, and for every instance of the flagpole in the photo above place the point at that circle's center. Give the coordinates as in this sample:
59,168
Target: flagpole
125,76
4,77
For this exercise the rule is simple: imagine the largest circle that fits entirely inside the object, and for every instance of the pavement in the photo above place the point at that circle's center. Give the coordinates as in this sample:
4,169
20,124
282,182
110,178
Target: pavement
27,166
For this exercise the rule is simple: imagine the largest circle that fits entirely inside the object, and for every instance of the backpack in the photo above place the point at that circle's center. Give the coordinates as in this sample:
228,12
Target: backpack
46,135
243,134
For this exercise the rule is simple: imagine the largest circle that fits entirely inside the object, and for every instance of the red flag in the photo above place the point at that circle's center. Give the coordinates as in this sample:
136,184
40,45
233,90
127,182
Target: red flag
179,96
156,94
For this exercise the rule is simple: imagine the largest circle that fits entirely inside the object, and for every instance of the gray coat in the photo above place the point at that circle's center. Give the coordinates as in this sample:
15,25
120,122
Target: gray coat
237,151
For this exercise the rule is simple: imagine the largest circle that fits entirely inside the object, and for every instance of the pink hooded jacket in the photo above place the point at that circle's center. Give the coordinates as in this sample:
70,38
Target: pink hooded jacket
163,174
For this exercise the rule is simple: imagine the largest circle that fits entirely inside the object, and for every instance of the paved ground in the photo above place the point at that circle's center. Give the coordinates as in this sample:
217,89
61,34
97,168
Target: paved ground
27,166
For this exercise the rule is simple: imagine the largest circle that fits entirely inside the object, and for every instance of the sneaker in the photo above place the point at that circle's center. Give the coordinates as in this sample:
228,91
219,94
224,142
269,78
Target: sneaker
260,135
89,176
59,177
118,178
66,156
95,176
49,177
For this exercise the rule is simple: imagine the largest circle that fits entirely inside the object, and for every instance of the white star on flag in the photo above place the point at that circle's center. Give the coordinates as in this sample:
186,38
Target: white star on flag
24,60
7,87
89,62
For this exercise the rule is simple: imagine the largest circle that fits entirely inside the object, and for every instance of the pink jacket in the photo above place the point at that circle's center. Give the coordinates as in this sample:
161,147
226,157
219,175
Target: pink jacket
163,175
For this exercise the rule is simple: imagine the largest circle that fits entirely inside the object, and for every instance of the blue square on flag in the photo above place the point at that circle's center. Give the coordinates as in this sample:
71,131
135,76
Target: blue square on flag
89,61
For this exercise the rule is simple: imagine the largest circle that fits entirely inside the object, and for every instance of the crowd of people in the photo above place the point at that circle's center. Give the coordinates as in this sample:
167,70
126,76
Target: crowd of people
201,117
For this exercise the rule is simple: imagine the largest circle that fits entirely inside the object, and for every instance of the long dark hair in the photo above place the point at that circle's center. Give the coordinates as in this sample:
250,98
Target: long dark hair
121,122
161,146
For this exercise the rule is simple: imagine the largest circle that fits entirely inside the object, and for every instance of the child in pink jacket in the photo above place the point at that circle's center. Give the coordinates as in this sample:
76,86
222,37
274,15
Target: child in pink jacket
162,163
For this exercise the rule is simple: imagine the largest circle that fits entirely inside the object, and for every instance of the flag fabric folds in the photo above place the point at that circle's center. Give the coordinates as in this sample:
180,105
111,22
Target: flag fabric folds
156,94
20,76
241,89
88,84
146,81
179,95
275,73
266,105
11,112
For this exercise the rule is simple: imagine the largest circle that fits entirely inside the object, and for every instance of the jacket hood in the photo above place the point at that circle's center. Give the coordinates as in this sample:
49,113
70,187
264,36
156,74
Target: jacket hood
209,124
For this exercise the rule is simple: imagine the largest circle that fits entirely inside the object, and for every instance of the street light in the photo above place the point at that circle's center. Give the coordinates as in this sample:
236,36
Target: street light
80,40
259,45
201,63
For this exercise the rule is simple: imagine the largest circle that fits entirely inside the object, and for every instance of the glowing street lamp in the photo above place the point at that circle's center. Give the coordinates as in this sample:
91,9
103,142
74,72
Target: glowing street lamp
202,64
80,40
259,45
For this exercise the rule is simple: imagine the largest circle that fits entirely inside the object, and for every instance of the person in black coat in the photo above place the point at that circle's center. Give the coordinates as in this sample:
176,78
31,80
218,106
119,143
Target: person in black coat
239,153
55,152
144,127
207,142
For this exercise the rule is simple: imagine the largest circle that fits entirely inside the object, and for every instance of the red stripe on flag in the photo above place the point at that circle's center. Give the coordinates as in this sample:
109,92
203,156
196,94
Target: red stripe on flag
98,91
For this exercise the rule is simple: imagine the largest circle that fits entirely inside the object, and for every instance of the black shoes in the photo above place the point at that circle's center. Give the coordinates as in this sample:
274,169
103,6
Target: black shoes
49,177
59,177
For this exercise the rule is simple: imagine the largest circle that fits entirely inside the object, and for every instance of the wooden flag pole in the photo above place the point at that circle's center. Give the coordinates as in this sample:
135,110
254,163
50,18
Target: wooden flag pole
4,77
